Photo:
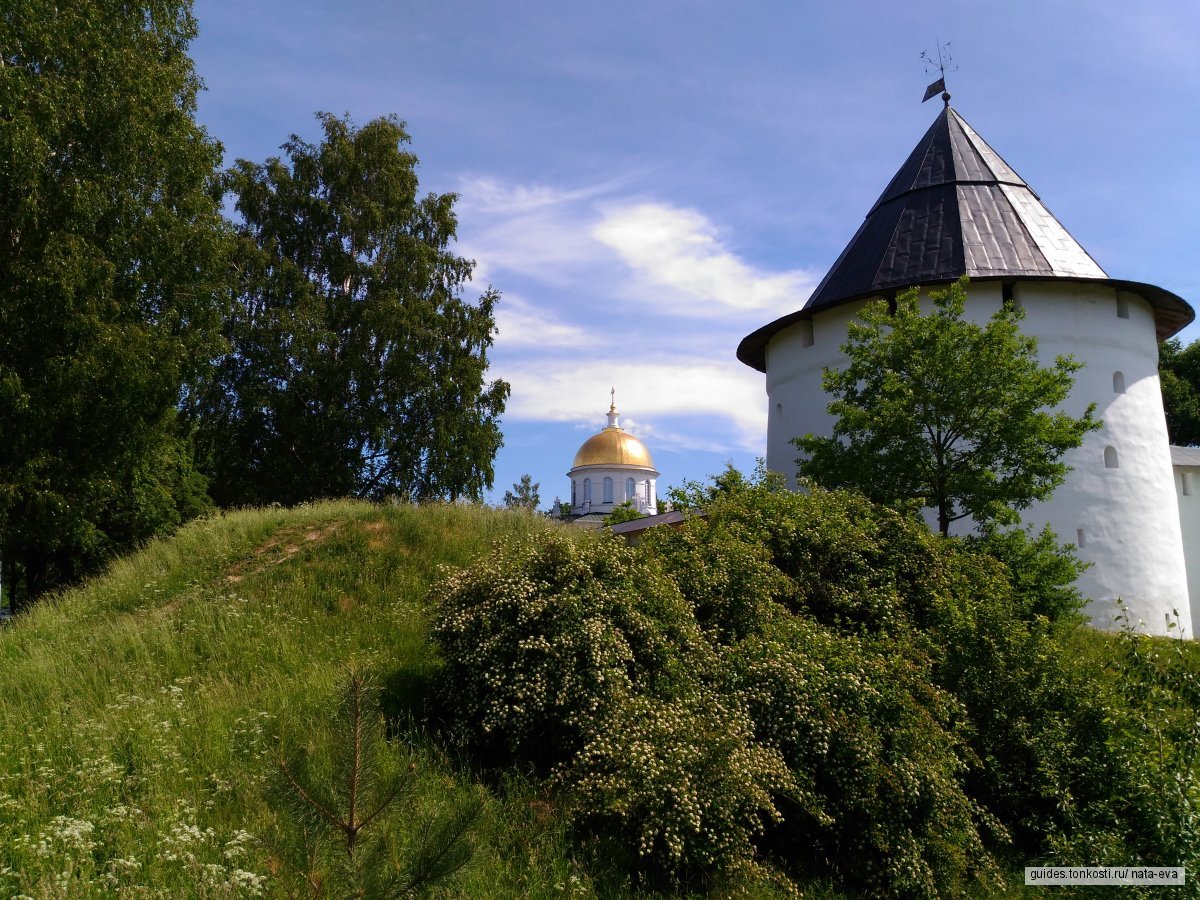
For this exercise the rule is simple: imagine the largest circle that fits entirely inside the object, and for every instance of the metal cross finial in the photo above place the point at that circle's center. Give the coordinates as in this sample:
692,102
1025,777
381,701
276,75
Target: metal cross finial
613,393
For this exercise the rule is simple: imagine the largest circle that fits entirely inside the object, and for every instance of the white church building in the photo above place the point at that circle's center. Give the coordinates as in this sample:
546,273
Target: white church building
957,208
612,467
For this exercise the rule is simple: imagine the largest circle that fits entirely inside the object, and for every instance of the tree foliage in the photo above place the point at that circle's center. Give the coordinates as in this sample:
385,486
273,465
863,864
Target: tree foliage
112,252
524,495
356,367
937,409
623,512
336,821
1179,373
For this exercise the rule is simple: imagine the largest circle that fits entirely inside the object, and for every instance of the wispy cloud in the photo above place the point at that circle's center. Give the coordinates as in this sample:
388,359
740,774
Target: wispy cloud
484,194
680,249
522,324
602,290
729,399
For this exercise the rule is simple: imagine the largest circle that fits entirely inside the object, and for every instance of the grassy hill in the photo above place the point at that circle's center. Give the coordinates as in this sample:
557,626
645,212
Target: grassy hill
140,714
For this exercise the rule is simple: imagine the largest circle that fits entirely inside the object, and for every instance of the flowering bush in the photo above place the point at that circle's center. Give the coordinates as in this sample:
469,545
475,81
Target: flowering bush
681,781
820,686
729,581
851,564
878,801
549,633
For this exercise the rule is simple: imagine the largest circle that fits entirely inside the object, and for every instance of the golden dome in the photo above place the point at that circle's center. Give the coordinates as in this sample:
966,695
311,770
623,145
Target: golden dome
613,447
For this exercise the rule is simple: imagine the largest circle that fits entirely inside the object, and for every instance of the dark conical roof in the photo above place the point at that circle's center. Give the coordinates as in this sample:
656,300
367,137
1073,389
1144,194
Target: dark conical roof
957,208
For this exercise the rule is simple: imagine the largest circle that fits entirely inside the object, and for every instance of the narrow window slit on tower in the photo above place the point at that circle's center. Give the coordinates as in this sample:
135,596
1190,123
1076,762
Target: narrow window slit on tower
1118,382
1110,458
1122,307
1080,538
1186,479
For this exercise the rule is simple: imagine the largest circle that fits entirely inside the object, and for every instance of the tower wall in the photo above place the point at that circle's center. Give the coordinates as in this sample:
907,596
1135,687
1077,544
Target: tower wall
1118,502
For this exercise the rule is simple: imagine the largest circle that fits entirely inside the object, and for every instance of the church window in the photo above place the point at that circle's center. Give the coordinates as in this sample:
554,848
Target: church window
1122,307
805,330
630,489
574,502
648,494
1186,479
1110,458
779,409
587,490
1118,382
1080,538
608,490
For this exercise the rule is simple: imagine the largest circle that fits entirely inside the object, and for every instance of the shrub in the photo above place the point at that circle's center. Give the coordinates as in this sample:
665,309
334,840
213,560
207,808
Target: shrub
549,633
852,565
1040,571
336,825
625,512
876,755
682,781
819,683
1039,728
723,573
1152,814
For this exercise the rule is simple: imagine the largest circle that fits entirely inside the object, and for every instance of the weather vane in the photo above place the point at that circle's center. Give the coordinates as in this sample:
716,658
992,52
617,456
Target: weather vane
943,65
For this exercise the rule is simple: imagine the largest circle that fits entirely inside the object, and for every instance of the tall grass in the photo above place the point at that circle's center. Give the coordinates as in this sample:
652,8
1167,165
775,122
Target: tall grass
140,714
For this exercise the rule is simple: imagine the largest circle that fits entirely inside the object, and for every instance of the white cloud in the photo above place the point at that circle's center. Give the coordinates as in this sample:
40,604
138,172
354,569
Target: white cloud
535,231
680,249
522,324
728,398
651,256
600,290
482,194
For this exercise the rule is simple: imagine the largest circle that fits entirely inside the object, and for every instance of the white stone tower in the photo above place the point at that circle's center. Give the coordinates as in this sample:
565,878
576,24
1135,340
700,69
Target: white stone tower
956,208
610,468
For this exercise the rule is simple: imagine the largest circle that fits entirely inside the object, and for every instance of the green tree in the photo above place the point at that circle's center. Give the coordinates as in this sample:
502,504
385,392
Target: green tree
624,512
942,411
356,368
524,495
112,249
339,824
1179,373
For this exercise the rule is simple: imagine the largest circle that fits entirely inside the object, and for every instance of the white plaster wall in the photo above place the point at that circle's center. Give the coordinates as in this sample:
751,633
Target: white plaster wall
1128,517
1189,525
795,400
618,474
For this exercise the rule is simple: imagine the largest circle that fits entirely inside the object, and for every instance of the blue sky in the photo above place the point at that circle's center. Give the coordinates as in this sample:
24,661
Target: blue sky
647,182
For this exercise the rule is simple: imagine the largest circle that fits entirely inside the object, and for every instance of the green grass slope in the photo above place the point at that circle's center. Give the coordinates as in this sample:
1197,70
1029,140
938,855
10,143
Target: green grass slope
139,714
